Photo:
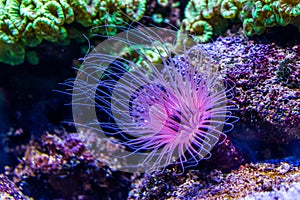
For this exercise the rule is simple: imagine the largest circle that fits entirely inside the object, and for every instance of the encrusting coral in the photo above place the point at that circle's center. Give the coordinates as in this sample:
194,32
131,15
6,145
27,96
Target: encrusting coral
29,22
255,16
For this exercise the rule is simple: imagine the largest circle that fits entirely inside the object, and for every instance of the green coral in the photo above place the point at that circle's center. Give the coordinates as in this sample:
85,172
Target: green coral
228,9
29,38
46,29
269,13
157,18
205,18
208,8
29,22
32,57
107,13
13,54
200,30
163,3
53,11
255,15
8,31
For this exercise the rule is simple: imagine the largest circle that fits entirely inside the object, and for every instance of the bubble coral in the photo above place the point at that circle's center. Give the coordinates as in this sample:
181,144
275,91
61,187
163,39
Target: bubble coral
172,112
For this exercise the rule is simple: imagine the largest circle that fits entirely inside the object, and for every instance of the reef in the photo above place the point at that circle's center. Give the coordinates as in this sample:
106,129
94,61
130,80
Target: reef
59,166
41,160
225,156
288,192
266,78
249,179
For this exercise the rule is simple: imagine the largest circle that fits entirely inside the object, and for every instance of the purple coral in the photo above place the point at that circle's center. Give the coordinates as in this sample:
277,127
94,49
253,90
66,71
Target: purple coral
172,111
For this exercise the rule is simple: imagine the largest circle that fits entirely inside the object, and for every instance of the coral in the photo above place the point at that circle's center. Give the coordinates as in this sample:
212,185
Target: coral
163,3
108,14
245,180
53,11
228,9
29,38
52,155
13,54
157,18
32,57
288,73
201,30
212,16
46,29
162,13
29,22
255,16
135,9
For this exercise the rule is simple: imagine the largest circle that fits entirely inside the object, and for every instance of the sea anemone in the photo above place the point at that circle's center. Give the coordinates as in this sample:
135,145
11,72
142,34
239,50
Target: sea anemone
172,111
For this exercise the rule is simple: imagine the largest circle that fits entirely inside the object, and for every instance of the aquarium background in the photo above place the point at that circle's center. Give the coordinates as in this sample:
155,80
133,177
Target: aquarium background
255,44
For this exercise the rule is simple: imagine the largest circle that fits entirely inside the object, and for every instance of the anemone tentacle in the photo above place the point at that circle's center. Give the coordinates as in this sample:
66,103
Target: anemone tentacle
172,112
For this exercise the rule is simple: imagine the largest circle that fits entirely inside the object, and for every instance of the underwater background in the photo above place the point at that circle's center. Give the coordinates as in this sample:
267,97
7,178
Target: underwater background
253,44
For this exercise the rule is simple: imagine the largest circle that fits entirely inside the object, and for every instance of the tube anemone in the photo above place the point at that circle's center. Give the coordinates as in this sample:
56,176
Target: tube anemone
172,112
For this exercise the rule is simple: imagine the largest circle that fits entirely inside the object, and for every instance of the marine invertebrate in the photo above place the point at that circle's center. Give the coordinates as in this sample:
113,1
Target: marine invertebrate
203,19
162,13
29,22
228,9
255,16
166,113
201,30
263,14
13,54
48,30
